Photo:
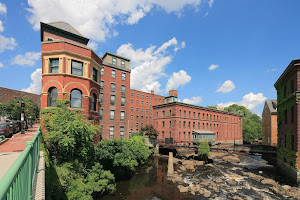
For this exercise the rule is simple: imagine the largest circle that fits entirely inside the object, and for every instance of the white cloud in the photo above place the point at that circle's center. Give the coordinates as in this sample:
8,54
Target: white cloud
177,79
212,67
3,11
148,65
193,100
93,45
250,101
226,87
28,59
36,85
210,3
1,64
7,43
97,19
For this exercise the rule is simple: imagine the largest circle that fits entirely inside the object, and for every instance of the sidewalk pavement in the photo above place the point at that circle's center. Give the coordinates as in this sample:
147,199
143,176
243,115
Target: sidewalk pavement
10,150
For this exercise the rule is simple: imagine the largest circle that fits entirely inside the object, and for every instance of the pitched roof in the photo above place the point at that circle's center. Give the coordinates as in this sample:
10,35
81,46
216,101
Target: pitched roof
66,27
272,105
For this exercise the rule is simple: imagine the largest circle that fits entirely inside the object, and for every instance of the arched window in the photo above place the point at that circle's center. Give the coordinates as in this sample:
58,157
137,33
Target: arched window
76,99
52,97
94,102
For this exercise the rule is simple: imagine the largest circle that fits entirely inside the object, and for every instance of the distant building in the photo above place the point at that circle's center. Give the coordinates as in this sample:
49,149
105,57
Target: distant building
182,122
9,94
269,123
288,117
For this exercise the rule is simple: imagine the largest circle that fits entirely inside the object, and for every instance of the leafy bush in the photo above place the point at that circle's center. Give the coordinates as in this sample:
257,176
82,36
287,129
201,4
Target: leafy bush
121,156
68,134
204,150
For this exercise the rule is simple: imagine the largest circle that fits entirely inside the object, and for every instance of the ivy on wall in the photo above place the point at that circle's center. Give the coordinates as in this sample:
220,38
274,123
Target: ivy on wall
286,153
284,103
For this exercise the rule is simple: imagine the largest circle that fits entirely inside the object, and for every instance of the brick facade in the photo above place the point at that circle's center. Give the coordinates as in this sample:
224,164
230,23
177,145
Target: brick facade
9,94
290,123
178,120
269,123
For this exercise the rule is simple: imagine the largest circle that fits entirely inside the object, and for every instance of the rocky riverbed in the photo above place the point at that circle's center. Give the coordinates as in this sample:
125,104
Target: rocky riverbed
231,176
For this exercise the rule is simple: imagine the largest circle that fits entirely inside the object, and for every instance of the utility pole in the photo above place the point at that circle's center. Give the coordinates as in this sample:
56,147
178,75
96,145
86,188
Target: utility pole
22,116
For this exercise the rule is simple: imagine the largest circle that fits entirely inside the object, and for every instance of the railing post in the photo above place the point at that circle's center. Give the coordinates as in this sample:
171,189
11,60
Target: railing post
30,168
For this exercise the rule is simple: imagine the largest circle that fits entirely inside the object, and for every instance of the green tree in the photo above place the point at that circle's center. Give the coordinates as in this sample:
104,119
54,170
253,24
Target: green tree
150,131
12,109
212,107
68,134
122,156
252,124
204,150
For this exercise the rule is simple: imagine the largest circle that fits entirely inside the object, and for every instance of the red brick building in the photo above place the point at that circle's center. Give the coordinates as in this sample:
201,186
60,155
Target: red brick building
9,94
179,121
114,96
100,88
288,118
141,108
269,123
70,70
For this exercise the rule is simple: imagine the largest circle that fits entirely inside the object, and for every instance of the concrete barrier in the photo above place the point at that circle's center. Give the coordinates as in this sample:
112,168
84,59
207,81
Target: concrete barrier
170,165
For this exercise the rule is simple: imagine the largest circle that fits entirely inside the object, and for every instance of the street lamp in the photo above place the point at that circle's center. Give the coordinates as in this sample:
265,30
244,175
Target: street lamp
22,114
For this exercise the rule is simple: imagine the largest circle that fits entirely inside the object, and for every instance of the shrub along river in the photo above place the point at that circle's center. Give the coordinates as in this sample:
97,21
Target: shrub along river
228,177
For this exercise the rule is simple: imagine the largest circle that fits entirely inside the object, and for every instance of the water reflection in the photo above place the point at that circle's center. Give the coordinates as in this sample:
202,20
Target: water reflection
148,183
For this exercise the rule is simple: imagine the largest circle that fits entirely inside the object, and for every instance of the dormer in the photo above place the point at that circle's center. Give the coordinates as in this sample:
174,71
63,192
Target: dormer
116,60
57,31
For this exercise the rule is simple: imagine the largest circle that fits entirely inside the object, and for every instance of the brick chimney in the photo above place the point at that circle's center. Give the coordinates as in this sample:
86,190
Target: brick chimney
173,93
152,91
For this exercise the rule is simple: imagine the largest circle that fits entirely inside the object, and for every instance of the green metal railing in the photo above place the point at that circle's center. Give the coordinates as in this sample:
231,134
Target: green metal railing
18,181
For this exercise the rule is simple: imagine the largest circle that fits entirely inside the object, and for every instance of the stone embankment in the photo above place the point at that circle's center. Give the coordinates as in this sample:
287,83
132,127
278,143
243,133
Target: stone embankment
230,176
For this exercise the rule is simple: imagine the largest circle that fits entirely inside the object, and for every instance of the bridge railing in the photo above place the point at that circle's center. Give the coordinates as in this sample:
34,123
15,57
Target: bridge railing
18,181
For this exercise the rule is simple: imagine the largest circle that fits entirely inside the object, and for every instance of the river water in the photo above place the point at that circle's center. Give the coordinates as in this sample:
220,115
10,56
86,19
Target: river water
150,182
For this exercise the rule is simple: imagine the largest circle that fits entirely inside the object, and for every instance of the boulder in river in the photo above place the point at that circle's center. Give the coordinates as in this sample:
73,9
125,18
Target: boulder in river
268,181
183,189
232,182
231,159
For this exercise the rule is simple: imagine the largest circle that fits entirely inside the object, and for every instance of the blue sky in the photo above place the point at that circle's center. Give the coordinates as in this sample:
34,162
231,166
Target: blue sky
172,44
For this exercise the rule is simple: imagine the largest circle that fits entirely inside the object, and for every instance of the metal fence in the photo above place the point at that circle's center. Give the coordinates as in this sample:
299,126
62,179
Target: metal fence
18,181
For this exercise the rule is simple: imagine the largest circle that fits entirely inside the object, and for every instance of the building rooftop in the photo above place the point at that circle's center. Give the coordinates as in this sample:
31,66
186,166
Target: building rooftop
66,27
118,56
272,105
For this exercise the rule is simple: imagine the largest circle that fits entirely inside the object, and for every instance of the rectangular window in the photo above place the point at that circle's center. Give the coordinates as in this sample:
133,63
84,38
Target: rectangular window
137,117
122,63
163,134
122,131
112,115
123,89
137,109
189,113
101,85
131,116
54,65
102,71
163,113
113,73
112,87
137,102
95,74
137,125
163,124
77,68
114,61
122,101
112,99
122,116
111,132
131,108
142,96
137,95
131,124
101,114
184,124
123,76
142,102
101,98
